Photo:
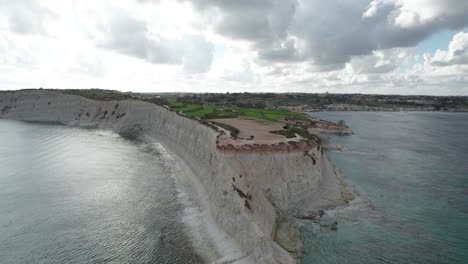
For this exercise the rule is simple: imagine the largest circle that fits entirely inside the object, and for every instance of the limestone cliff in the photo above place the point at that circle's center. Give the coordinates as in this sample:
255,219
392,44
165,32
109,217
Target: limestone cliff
244,192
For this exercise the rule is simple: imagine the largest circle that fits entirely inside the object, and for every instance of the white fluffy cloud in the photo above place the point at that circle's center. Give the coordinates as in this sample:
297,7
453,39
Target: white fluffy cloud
424,13
457,53
125,33
224,45
380,62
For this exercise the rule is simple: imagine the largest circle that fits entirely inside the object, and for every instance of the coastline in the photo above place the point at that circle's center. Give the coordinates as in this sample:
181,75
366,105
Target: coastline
203,226
240,194
399,175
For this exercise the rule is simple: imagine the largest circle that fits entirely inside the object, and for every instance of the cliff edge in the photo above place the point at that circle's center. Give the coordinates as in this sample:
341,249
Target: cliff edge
247,198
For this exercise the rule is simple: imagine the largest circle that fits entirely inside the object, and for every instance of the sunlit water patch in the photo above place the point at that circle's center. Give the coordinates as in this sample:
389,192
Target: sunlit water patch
70,195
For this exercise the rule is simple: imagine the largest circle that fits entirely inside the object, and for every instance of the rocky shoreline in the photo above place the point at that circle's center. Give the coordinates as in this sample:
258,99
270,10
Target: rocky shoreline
247,197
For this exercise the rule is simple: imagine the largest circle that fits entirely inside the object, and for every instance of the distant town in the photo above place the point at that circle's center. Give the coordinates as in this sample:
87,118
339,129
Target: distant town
305,102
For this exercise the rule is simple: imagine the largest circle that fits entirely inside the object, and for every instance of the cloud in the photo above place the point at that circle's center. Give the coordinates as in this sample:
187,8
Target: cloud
88,63
126,35
14,52
379,62
330,33
286,52
261,21
242,73
241,45
428,13
131,36
25,16
198,54
342,29
457,53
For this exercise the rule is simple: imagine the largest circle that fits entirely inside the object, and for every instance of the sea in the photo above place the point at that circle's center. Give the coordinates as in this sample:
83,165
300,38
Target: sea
74,195
410,171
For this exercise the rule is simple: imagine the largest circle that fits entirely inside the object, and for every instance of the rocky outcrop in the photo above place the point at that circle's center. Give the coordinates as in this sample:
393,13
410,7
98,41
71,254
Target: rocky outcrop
242,193
288,235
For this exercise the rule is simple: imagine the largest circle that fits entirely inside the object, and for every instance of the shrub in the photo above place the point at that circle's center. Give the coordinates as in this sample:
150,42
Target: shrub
234,131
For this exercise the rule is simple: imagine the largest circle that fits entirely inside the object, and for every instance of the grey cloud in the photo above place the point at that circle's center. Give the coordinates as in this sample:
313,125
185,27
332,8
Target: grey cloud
261,21
325,67
25,16
336,31
369,66
132,37
234,6
287,53
25,22
328,33
277,71
127,35
331,30
251,27
380,62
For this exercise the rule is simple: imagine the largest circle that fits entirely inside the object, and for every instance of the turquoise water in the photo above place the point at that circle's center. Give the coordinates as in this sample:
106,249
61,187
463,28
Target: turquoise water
70,195
411,170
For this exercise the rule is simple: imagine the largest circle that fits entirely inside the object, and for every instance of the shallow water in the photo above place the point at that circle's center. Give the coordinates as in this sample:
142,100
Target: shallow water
412,172
71,195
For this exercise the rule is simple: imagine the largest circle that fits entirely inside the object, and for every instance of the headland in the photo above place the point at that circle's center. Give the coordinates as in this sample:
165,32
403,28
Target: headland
252,176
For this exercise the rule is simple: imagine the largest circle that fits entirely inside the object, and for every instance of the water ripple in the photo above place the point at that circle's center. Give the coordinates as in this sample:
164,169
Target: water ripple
83,196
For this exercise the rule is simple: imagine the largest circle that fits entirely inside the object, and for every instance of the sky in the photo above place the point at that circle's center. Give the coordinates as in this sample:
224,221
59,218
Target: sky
336,46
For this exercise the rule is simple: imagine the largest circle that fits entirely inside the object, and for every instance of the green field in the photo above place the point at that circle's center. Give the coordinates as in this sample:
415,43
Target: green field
318,101
212,112
192,110
200,111
272,115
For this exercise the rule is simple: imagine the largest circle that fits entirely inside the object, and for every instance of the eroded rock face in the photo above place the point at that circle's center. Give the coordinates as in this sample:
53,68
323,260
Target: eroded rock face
241,192
288,235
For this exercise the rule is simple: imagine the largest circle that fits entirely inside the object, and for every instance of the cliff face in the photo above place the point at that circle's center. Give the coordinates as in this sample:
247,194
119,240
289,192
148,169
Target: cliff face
242,192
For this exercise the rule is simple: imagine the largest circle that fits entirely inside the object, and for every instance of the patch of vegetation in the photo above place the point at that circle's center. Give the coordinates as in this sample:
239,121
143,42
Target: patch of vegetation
220,113
200,112
154,100
274,101
290,131
192,110
233,130
209,124
98,94
272,115
204,111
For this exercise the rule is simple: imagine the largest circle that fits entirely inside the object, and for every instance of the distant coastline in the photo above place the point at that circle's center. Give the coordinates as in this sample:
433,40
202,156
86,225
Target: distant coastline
354,108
